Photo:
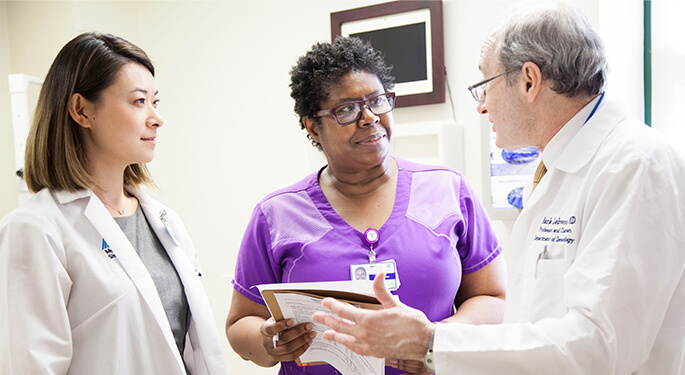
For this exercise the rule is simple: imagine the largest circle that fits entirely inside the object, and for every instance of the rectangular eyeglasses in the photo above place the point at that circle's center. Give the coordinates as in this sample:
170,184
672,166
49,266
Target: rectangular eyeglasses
351,112
478,89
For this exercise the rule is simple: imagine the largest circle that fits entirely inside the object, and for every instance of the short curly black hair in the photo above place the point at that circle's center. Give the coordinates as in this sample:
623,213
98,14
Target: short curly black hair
324,65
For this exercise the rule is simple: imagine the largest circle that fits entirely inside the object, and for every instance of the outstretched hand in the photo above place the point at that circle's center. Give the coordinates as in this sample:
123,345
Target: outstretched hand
396,331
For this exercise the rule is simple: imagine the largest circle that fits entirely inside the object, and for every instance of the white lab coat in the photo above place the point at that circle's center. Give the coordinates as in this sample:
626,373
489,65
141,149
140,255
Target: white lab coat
75,297
595,278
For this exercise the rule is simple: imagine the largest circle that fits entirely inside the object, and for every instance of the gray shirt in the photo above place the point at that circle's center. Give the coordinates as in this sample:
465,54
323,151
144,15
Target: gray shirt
162,270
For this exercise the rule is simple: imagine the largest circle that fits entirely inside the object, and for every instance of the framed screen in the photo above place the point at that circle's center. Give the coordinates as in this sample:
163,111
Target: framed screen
409,34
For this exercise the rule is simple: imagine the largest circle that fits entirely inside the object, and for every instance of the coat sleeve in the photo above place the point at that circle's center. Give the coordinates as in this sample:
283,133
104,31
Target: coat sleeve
34,292
617,292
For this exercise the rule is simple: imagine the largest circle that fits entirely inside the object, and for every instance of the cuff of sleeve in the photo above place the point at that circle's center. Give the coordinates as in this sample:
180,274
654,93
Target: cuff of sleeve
429,359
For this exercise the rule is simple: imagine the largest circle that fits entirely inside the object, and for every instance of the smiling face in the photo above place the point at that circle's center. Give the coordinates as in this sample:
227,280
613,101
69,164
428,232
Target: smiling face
121,126
360,145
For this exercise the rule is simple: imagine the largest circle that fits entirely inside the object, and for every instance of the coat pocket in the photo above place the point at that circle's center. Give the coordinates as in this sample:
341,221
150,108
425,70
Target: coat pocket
549,296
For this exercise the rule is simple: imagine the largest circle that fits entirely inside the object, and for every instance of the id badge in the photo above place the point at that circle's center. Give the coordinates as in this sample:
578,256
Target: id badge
369,271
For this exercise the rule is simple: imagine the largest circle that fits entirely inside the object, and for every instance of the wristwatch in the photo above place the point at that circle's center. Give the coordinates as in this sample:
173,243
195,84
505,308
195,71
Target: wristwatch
428,359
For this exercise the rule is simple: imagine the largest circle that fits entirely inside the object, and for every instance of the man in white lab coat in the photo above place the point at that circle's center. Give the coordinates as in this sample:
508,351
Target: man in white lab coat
596,259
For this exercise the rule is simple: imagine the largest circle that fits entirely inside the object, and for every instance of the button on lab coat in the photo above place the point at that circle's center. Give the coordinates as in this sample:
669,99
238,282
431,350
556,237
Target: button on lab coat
595,270
75,297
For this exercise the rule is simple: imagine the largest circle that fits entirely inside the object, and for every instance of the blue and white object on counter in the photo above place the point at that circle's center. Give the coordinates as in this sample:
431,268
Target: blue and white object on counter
520,155
515,197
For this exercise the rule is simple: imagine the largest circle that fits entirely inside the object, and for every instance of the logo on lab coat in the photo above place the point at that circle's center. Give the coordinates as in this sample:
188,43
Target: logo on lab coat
107,249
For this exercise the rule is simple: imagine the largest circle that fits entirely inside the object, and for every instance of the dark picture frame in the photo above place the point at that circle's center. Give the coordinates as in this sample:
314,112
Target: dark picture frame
410,36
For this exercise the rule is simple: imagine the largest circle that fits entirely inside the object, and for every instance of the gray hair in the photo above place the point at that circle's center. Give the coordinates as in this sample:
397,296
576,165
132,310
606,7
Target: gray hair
561,41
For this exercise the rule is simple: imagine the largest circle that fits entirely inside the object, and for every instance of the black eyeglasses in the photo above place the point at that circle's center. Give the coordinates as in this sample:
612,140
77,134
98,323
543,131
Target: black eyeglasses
478,90
351,112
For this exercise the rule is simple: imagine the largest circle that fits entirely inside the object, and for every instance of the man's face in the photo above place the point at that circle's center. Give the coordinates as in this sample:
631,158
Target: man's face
503,103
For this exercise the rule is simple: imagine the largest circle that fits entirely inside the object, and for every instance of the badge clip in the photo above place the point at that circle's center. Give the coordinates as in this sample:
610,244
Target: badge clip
371,237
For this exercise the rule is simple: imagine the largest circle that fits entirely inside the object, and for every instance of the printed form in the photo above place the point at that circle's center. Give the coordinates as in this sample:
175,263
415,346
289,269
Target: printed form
300,307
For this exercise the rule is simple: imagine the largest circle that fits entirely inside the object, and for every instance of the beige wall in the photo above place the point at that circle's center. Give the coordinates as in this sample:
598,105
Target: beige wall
230,135
8,190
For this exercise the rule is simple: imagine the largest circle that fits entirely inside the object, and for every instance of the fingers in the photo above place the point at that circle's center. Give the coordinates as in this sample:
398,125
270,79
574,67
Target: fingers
347,312
333,322
343,339
285,342
382,293
294,342
271,327
351,343
290,339
396,331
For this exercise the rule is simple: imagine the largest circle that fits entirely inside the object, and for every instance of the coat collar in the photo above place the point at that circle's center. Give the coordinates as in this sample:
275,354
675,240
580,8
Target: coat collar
64,197
574,146
585,143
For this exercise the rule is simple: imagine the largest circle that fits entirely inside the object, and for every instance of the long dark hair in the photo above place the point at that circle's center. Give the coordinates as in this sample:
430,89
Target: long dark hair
86,65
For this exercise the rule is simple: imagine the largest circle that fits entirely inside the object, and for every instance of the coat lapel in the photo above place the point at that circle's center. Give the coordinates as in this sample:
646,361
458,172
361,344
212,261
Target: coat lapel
167,226
121,248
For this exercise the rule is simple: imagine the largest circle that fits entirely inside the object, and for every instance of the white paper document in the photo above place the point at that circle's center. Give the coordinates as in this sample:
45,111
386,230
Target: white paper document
301,306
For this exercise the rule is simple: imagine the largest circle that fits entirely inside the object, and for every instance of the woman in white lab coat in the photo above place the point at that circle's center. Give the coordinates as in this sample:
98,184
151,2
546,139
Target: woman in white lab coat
96,277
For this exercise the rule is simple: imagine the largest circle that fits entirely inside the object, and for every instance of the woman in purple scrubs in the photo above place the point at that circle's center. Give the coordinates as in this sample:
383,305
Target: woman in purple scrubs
435,239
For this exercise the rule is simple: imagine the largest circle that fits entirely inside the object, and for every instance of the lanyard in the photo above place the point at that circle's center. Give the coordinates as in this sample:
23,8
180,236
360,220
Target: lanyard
371,237
595,109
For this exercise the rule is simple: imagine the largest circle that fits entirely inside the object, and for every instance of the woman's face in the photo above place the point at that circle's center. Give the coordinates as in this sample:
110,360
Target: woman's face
123,122
362,144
